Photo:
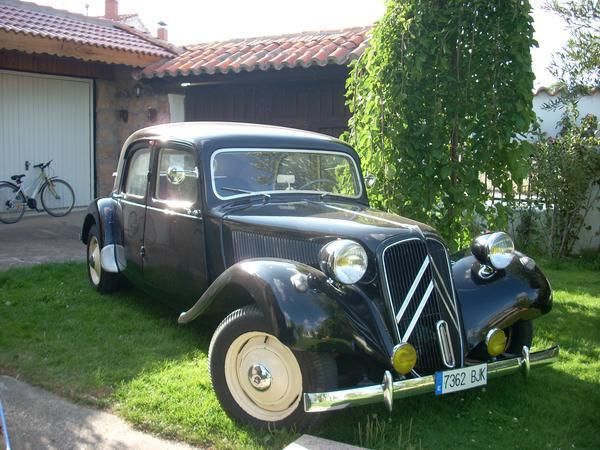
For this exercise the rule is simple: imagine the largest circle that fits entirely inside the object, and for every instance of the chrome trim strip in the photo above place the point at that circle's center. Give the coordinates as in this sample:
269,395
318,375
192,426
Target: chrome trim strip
412,290
329,401
381,219
170,212
141,205
418,312
387,293
445,342
166,211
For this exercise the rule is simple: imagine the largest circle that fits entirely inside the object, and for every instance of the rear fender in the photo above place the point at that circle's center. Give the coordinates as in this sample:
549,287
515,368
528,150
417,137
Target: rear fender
105,213
516,293
306,310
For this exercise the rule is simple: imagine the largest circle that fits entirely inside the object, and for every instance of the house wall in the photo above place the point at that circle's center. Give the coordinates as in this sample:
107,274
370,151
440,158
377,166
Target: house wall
310,99
112,97
549,119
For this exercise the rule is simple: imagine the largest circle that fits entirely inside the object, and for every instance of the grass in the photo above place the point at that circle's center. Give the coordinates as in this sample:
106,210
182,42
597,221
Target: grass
125,353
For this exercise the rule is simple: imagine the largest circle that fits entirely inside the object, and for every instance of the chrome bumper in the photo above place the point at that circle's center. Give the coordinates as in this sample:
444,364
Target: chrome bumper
391,390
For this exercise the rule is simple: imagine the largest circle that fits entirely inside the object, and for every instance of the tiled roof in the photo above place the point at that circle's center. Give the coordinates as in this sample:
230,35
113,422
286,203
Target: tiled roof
49,23
264,53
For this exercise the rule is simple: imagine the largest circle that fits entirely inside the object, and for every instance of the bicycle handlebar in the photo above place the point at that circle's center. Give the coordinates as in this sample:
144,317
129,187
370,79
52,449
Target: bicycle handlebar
42,165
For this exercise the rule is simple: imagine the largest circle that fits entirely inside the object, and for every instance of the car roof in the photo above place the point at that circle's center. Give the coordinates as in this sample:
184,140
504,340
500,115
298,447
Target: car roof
211,135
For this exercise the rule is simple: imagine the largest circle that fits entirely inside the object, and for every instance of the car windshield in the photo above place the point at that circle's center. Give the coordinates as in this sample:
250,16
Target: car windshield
240,172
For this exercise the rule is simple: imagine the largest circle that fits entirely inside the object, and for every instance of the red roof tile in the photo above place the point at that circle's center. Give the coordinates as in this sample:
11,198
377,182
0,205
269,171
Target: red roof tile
45,22
264,53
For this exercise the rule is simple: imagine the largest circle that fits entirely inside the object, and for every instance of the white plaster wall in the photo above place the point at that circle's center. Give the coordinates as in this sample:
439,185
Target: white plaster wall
549,119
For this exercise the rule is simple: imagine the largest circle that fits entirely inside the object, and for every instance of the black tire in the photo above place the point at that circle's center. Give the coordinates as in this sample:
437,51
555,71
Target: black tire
242,338
12,207
519,334
57,197
102,281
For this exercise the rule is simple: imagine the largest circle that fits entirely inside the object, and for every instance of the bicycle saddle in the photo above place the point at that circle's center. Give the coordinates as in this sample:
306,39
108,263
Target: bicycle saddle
17,178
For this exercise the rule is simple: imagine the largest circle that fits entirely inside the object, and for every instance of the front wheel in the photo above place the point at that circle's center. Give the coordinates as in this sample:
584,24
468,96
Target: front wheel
259,380
57,197
12,203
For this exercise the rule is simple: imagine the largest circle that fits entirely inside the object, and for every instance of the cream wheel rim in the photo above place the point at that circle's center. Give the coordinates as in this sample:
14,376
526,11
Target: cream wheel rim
94,266
263,376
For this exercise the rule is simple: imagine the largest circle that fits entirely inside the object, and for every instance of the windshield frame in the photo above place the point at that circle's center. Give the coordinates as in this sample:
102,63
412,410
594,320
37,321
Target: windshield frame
354,165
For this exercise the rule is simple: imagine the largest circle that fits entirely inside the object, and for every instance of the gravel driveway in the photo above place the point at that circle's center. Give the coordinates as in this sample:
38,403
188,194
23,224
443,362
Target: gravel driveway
40,238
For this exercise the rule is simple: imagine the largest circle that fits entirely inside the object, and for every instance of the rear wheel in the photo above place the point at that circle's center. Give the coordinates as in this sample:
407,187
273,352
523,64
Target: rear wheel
104,282
12,203
259,380
57,198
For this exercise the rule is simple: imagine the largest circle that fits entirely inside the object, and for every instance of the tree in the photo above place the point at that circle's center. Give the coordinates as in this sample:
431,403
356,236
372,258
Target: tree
438,100
577,65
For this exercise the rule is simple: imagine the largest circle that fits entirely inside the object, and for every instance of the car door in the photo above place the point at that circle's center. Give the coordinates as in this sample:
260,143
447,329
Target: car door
132,196
174,239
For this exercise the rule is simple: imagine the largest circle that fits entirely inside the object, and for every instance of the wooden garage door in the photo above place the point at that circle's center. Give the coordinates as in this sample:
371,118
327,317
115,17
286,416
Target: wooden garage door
43,118
315,106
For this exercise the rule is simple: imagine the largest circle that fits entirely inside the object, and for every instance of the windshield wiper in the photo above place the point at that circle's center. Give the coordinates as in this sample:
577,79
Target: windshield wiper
244,191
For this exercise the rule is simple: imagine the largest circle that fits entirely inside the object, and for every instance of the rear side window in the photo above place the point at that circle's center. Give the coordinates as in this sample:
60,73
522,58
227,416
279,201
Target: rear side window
137,173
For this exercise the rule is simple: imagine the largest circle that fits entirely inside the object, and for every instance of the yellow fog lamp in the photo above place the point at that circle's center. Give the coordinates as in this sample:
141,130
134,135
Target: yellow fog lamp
495,342
404,358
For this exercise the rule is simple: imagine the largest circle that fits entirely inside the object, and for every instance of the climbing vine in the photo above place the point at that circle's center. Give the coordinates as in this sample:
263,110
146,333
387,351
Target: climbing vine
438,101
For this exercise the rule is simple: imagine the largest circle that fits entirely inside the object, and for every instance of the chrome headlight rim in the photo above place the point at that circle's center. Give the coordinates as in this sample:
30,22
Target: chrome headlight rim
335,256
494,249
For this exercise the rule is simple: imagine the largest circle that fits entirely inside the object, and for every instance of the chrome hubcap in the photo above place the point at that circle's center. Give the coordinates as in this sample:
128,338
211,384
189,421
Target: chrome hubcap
259,377
263,376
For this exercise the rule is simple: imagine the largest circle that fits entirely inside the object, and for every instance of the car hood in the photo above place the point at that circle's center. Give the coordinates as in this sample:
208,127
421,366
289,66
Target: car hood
320,222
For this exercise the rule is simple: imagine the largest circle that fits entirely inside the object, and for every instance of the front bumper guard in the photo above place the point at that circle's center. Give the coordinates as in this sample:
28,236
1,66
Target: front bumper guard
391,390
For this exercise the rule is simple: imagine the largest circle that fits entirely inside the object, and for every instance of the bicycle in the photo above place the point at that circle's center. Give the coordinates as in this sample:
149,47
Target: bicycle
56,195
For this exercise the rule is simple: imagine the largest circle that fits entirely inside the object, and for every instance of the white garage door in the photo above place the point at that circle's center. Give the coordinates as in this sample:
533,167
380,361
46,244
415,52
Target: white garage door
46,117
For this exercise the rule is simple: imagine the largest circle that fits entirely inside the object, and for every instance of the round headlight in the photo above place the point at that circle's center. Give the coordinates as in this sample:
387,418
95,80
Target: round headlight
497,249
344,260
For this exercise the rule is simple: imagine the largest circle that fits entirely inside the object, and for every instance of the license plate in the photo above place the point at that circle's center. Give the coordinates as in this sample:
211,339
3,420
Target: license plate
460,379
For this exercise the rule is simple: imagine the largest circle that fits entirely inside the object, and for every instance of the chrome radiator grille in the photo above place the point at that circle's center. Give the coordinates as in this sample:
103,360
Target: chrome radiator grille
416,275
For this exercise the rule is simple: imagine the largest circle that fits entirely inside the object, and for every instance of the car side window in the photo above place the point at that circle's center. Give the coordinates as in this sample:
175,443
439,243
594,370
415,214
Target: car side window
137,173
177,180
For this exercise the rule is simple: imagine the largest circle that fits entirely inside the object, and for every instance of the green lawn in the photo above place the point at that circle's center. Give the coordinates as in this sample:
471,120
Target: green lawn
127,354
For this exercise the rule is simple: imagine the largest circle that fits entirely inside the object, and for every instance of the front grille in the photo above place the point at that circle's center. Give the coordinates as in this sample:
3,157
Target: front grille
251,245
413,294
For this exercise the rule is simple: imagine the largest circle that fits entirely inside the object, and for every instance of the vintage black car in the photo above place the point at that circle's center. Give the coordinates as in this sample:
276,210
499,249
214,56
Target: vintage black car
326,303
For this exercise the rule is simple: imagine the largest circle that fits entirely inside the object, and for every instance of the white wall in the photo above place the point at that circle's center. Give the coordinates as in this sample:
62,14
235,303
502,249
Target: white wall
589,238
588,104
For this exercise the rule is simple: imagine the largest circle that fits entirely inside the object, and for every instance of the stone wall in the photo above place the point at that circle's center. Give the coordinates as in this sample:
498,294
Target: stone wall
113,98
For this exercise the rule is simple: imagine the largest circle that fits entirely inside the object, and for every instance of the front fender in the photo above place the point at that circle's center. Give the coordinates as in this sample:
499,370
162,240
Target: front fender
306,310
510,295
105,213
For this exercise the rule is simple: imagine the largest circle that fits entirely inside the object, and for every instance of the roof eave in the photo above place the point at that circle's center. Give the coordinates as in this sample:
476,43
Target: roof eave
59,47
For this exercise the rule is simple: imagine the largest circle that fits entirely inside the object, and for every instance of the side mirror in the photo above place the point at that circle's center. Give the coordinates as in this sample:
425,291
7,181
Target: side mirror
370,180
175,175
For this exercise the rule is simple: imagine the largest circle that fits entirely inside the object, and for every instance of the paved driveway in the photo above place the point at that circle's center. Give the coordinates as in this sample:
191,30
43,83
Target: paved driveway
40,238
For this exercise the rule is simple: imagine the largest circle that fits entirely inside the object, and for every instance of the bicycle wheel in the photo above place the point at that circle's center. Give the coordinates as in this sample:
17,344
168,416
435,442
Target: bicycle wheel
57,197
12,203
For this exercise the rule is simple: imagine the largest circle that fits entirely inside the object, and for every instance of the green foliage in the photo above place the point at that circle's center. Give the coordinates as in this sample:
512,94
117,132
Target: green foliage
565,177
577,65
438,100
